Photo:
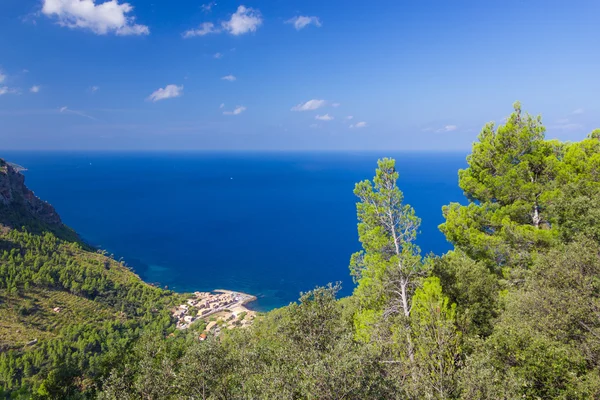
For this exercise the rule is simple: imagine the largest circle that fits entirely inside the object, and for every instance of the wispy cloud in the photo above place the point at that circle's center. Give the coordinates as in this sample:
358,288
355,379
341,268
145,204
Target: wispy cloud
309,105
447,128
28,112
336,105
35,89
218,56
349,117
566,126
325,117
94,89
222,105
578,111
359,125
205,28
301,22
208,6
238,110
104,18
169,92
6,90
67,110
229,78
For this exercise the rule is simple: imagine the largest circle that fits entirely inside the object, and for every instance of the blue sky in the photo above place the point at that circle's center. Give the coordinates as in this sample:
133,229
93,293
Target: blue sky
413,75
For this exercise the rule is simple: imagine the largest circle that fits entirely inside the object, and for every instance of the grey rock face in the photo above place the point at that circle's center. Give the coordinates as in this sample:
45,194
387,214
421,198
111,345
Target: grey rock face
14,192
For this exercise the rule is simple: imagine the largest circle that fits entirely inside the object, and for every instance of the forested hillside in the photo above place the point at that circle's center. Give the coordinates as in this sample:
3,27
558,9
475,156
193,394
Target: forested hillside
512,312
67,314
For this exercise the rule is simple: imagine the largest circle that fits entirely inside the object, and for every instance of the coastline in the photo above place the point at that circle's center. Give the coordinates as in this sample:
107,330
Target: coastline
245,298
223,305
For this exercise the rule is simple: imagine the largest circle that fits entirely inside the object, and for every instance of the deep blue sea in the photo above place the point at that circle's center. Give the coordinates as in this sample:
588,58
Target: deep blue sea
269,224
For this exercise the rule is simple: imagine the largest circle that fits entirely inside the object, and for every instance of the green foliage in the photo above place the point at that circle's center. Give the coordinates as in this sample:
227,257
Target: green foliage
389,268
437,341
579,179
525,193
301,351
546,342
509,184
99,316
473,288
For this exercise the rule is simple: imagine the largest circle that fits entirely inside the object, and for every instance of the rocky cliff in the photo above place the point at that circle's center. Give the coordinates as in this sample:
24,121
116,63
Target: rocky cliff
20,206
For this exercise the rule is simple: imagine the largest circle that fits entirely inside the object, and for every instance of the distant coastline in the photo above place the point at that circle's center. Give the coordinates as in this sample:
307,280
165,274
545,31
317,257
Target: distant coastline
245,297
17,167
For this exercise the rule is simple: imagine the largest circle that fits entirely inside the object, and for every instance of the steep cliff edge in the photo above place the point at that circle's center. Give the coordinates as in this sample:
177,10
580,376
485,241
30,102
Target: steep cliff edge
20,207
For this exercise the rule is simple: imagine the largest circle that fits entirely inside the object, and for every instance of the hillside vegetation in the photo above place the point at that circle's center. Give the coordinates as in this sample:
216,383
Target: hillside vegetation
512,312
67,314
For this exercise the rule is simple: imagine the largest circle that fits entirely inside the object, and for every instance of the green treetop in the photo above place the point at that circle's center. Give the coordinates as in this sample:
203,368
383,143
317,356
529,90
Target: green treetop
389,268
509,184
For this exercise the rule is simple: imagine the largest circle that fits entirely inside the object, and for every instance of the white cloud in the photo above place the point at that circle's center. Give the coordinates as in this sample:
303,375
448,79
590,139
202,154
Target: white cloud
229,78
359,125
107,17
35,89
67,110
301,22
169,92
349,117
94,89
2,77
208,6
222,105
218,56
447,128
566,126
6,90
309,105
238,110
204,29
325,117
314,126
578,111
244,20
336,105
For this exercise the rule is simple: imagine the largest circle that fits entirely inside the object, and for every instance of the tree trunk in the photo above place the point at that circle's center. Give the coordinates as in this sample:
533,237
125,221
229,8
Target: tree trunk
406,309
536,215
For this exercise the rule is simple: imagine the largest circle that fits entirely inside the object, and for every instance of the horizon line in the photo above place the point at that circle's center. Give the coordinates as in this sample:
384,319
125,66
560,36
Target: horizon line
232,151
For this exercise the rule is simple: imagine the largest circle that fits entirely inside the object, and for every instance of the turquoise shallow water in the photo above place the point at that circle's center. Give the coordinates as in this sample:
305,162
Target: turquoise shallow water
269,224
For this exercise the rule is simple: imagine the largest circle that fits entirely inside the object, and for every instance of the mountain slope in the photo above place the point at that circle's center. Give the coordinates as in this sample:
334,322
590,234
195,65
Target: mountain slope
20,207
67,314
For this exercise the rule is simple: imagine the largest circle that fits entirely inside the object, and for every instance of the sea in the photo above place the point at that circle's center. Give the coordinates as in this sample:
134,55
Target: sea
269,224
